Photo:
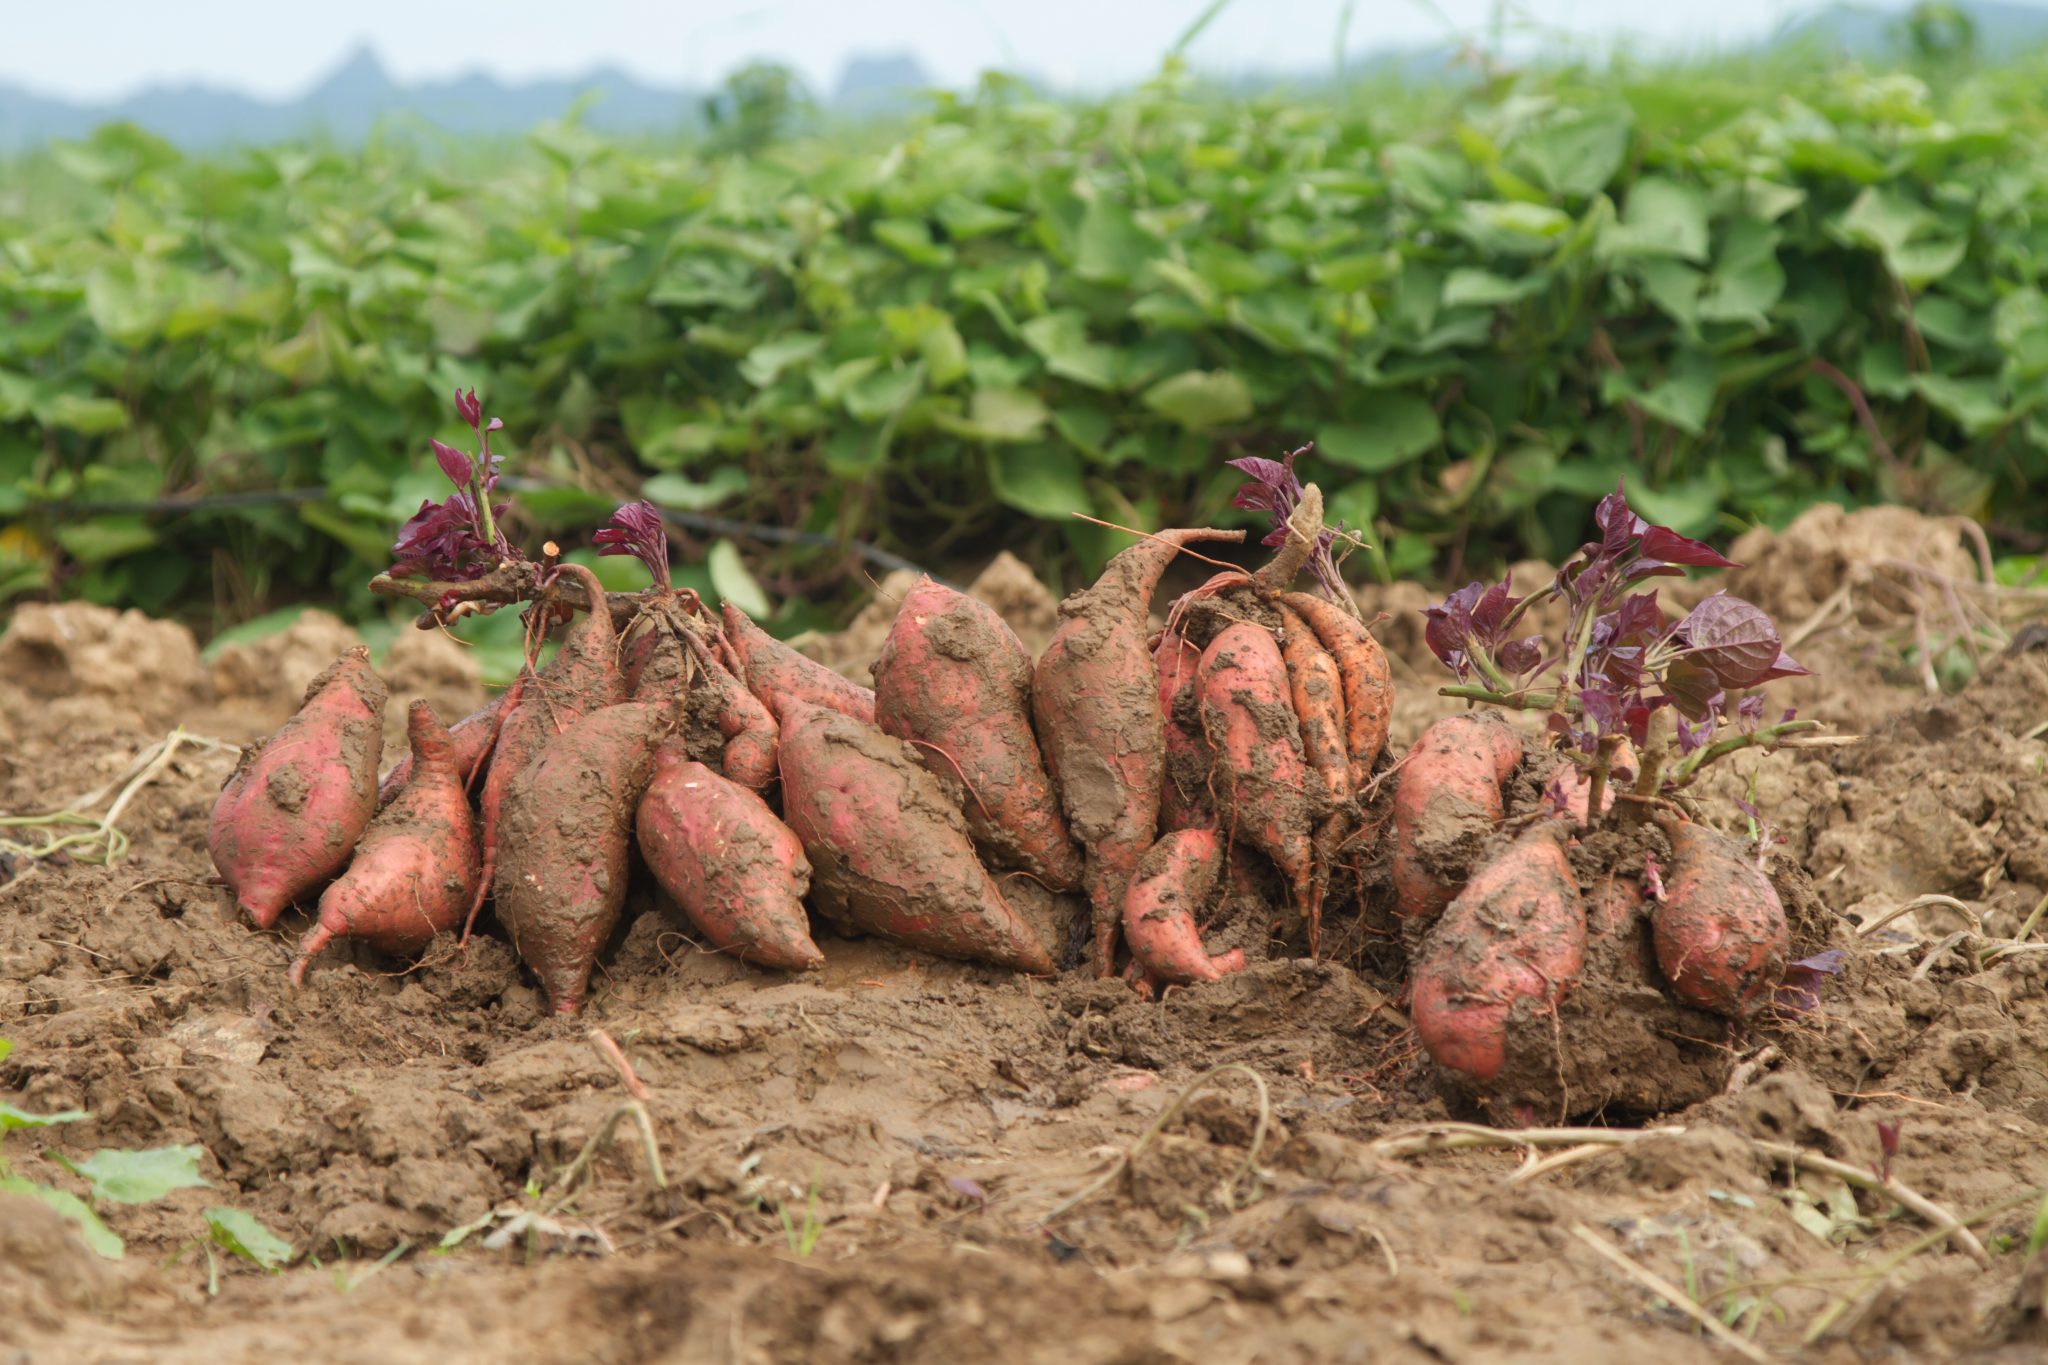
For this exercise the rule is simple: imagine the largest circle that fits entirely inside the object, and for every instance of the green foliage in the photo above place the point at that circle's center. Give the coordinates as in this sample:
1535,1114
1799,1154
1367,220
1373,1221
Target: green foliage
137,1176
1485,303
243,1234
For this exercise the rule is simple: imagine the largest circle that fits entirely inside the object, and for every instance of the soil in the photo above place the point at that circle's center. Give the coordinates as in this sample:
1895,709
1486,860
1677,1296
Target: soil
882,1160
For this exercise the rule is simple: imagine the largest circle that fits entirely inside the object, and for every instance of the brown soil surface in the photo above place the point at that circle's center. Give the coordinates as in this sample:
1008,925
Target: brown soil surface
879,1161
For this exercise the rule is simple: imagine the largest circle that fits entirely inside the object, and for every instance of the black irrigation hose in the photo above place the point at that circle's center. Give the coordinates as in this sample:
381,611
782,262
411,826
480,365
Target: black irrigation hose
693,521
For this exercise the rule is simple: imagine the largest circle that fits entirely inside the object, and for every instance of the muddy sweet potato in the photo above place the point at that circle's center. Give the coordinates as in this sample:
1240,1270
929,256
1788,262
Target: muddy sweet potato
1449,795
1316,689
1095,704
1618,929
954,682
1262,780
1500,958
749,731
290,815
415,868
473,736
1175,882
776,673
565,833
1368,684
1720,931
1184,798
888,849
736,871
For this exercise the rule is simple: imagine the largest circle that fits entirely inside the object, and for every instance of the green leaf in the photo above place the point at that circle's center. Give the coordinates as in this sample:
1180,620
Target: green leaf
912,238
1977,405
139,1176
766,362
1512,229
1483,288
998,415
101,1240
1747,280
6,1046
1111,248
1393,428
1909,236
964,218
1685,396
1576,156
1200,399
885,393
695,495
255,628
105,538
729,577
1661,218
241,1234
84,415
1061,340
1039,480
12,1118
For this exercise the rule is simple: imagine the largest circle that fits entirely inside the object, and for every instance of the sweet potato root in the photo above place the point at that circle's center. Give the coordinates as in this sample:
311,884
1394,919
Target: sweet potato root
565,833
416,867
1173,883
737,871
749,731
889,852
289,816
1368,684
1316,689
1095,700
472,737
1448,797
1262,780
1719,931
954,682
1184,798
1502,955
776,673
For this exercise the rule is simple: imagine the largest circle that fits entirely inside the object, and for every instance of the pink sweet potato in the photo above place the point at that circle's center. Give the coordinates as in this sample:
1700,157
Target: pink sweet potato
776,673
1316,688
1184,798
1174,882
889,851
1095,701
565,835
737,871
1368,685
1501,957
749,731
291,813
1448,798
415,868
472,737
954,682
1262,780
1719,931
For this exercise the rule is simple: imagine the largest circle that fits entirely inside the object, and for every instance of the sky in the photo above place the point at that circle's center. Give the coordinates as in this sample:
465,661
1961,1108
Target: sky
97,49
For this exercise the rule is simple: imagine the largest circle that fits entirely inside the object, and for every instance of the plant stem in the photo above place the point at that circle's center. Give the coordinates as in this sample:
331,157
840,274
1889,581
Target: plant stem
1513,700
1596,784
476,488
1767,738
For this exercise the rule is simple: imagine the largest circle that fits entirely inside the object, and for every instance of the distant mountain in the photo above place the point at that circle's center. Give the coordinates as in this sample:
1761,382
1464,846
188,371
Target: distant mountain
2004,29
351,100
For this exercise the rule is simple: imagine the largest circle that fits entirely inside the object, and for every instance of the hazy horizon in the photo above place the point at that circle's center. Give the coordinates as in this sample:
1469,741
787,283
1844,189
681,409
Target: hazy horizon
96,50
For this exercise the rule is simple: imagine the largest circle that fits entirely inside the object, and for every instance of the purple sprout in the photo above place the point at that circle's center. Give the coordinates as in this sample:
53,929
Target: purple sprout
1275,488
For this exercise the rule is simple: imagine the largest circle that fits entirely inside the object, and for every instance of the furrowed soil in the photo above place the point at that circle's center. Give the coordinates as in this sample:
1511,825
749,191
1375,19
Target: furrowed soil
903,1159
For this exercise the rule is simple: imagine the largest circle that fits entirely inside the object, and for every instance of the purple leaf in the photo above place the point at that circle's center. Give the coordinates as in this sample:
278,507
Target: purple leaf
1489,613
1750,708
969,1189
468,408
496,424
453,463
1693,690
1449,632
1663,543
1691,737
1271,483
1617,521
1517,657
1732,639
1784,666
1799,992
441,541
636,529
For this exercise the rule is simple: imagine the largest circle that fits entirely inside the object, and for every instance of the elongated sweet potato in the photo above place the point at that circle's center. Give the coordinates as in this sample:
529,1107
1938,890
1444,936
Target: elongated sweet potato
749,730
1448,798
566,830
291,813
1174,882
416,866
1184,798
1720,931
1095,699
776,673
1316,688
954,682
737,871
582,677
1262,780
1500,958
472,737
1368,685
889,851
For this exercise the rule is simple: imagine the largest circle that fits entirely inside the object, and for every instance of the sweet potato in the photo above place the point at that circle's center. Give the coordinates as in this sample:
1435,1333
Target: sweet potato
472,737
1316,690
582,677
1262,780
954,682
1174,881
1184,799
737,871
1719,931
1618,929
565,833
1504,953
1095,701
776,673
748,729
415,868
889,852
291,812
1448,798
1368,685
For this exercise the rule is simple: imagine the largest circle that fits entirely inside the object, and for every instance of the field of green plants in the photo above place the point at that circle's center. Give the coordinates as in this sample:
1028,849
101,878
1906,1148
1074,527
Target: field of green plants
1744,289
